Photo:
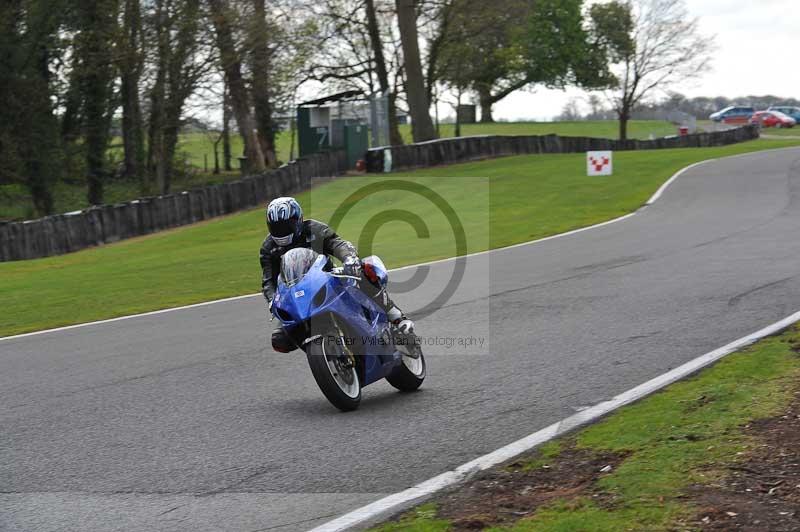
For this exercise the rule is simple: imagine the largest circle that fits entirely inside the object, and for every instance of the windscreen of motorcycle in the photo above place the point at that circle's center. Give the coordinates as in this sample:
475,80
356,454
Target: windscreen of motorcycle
295,263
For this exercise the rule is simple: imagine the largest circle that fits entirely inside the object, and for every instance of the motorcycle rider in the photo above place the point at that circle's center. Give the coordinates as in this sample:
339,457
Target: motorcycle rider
288,230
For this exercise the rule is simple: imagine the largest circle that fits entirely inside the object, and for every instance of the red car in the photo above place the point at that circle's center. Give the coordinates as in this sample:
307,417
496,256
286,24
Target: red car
772,119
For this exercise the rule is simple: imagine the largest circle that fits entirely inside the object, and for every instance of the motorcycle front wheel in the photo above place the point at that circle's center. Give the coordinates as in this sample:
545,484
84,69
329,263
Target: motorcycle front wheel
334,370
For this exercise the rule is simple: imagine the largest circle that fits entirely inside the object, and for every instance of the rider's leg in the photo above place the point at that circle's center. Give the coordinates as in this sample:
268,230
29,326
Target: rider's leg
374,281
402,327
380,295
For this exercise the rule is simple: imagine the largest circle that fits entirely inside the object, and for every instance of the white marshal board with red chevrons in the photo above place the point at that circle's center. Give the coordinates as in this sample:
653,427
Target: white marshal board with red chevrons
599,163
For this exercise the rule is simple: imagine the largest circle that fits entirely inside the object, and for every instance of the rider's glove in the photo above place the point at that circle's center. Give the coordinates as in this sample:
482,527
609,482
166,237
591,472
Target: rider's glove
352,266
404,326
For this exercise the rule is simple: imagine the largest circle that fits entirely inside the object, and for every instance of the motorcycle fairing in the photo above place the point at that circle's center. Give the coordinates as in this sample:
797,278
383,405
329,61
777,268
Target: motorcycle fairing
318,294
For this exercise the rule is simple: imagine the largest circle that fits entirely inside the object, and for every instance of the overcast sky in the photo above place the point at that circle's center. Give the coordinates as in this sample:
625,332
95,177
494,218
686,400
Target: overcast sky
757,53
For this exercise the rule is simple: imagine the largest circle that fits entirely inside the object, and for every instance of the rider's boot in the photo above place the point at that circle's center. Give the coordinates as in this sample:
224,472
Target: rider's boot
403,331
400,322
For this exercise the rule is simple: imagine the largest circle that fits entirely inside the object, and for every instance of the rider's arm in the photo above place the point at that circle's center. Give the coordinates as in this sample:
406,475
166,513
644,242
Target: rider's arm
267,277
335,245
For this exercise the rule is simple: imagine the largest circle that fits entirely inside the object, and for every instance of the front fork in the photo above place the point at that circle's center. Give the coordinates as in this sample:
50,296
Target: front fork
348,351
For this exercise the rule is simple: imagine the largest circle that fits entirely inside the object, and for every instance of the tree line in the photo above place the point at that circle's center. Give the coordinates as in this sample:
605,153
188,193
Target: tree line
73,69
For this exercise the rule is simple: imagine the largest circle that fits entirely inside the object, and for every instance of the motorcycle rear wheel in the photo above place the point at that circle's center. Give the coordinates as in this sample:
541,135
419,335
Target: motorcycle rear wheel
334,371
408,376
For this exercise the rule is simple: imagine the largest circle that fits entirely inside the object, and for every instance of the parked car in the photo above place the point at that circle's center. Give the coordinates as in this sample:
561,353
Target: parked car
733,115
794,112
772,119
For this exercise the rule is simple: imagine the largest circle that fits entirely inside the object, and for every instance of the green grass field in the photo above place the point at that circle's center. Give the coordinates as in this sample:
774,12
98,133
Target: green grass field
782,132
688,434
528,197
197,149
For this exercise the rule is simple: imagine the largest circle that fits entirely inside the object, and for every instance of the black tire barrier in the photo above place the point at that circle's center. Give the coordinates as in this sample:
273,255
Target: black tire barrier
104,224
464,149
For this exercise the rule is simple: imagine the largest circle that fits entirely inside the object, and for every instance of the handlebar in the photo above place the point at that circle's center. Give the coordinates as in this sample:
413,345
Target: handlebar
339,272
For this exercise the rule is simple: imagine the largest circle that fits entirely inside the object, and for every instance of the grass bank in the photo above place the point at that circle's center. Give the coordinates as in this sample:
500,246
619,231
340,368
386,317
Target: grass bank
196,150
652,465
512,200
781,132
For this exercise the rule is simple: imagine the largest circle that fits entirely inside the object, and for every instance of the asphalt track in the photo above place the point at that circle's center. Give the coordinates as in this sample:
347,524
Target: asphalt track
184,421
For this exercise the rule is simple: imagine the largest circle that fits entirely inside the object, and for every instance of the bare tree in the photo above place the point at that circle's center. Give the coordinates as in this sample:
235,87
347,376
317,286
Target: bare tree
131,64
260,57
344,59
226,129
570,112
418,103
97,21
654,45
359,48
231,61
382,71
180,64
595,104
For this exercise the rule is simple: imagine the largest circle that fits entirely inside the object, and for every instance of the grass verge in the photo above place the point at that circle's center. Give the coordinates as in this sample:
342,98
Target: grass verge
782,132
515,199
645,467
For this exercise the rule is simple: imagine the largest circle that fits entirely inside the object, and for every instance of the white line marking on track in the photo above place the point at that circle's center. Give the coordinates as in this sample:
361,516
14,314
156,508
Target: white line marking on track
120,318
393,503
650,201
669,181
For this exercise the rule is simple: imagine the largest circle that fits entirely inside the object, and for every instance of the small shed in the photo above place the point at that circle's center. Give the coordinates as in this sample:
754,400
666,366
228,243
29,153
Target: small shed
466,114
333,123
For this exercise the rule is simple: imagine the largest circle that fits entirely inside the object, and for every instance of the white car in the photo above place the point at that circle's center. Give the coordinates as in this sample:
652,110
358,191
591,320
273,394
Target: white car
788,110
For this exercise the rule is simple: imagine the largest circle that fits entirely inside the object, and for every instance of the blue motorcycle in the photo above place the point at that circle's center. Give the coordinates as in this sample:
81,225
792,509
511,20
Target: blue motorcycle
346,336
